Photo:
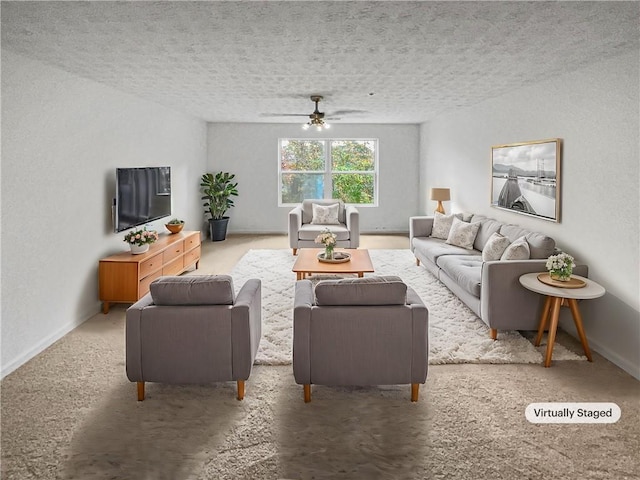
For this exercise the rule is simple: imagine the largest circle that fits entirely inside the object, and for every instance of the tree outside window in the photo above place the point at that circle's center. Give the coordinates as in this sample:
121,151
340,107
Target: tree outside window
344,169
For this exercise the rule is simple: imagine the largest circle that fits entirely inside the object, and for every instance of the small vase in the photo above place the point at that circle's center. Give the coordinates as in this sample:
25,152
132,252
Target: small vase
137,249
328,253
560,276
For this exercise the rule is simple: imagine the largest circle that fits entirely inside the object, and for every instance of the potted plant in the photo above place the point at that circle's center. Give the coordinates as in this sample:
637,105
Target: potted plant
175,225
218,190
140,239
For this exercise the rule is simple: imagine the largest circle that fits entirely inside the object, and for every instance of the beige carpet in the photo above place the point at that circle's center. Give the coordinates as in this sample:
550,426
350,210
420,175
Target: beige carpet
70,413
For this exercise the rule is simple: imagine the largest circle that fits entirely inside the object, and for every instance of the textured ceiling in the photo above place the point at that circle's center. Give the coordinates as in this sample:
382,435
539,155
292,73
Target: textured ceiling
382,62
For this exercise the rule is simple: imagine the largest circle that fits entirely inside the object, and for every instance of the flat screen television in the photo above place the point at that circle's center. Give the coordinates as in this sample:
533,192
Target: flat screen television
143,194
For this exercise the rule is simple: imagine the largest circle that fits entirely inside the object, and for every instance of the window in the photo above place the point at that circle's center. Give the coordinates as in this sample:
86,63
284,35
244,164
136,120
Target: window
345,169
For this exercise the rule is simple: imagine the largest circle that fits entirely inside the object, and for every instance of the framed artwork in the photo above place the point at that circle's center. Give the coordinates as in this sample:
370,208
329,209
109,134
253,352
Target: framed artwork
525,178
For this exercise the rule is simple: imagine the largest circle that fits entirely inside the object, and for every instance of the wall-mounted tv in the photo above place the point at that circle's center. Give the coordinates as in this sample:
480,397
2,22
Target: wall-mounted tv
143,194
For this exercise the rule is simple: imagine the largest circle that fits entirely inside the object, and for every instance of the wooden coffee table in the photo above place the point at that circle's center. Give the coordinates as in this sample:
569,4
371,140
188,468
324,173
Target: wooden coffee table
308,263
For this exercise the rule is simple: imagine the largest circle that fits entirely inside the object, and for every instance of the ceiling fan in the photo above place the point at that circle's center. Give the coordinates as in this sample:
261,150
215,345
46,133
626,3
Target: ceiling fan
316,118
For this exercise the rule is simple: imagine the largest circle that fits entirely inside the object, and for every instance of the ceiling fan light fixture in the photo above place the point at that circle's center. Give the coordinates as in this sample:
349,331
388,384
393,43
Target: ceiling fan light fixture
316,118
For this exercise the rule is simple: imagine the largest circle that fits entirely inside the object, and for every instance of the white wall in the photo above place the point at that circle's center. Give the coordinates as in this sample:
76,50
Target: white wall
62,138
251,152
595,112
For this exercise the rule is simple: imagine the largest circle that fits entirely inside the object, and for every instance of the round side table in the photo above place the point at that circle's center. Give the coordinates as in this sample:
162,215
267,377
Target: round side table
557,296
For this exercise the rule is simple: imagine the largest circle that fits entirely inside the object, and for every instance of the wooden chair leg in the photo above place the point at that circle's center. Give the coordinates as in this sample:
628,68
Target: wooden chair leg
295,251
307,392
494,333
415,388
417,262
140,391
240,389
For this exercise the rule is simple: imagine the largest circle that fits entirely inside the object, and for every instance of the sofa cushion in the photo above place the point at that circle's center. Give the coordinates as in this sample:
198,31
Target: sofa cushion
488,226
462,234
325,214
540,246
442,224
382,290
307,208
518,250
432,248
308,231
465,270
495,247
193,290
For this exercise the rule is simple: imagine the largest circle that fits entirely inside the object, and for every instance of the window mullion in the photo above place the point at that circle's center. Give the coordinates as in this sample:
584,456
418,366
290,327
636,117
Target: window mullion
328,182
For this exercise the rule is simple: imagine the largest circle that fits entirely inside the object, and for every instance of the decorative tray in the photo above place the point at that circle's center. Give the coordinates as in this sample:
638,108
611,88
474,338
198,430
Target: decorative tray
338,257
572,283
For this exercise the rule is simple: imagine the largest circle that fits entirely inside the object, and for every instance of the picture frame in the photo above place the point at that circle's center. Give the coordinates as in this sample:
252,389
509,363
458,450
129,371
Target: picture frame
525,178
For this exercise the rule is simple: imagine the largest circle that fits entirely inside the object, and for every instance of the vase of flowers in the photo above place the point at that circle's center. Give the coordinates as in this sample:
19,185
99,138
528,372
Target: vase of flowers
560,266
140,239
328,239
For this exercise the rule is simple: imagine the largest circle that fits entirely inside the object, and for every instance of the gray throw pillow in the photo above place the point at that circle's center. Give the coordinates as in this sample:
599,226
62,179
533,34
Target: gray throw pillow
518,250
495,247
462,234
442,225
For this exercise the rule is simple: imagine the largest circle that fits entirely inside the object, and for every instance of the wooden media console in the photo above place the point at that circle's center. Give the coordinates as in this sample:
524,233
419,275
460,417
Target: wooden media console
125,278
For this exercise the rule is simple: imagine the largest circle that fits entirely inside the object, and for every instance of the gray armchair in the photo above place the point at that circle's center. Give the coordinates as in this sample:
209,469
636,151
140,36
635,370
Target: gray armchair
364,331
302,233
193,329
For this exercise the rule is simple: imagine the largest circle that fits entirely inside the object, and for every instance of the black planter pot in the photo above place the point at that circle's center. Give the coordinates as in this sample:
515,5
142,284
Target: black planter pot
218,229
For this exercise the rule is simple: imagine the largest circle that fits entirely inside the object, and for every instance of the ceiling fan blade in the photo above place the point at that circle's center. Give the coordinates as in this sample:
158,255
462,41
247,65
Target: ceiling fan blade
284,114
348,112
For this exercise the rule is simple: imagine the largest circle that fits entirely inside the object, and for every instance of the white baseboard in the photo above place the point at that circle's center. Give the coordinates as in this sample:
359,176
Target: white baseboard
624,363
40,347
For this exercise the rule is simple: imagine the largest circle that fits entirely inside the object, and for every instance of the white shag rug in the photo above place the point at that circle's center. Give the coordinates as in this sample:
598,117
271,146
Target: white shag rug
456,334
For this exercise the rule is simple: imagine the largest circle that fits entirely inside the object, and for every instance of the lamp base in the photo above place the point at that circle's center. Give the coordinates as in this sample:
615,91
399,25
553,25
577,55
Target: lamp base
439,208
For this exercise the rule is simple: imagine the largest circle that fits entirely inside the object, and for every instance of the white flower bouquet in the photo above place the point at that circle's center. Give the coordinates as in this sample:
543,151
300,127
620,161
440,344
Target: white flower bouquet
560,266
328,239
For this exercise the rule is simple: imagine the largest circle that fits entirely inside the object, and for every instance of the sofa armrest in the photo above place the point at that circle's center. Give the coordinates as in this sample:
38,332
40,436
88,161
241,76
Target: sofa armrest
419,227
420,337
133,339
303,303
502,298
246,327
295,223
352,217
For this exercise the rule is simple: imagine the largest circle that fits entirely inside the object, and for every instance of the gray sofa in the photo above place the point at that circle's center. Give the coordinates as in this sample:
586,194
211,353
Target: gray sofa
363,331
194,329
302,233
490,288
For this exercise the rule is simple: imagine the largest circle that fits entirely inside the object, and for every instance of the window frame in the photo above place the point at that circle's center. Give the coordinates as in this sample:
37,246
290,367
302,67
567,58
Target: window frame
328,168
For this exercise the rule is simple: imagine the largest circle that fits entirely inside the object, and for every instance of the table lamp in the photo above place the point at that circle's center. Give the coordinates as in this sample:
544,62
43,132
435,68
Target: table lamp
440,195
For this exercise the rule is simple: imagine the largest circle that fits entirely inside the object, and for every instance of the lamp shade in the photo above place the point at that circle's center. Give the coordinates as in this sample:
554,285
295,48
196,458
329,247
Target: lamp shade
440,194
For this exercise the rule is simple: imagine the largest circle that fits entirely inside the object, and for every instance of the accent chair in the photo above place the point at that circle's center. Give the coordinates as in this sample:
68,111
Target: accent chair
309,219
193,330
361,331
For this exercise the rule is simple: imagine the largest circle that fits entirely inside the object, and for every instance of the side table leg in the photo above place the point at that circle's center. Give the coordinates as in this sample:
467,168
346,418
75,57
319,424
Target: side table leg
551,337
544,319
577,319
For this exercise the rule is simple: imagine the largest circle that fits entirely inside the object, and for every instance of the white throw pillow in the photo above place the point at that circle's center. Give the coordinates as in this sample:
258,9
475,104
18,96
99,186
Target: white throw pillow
495,247
442,225
325,214
518,250
463,234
